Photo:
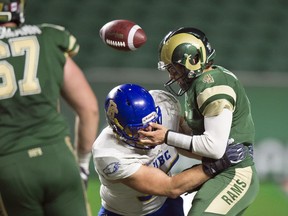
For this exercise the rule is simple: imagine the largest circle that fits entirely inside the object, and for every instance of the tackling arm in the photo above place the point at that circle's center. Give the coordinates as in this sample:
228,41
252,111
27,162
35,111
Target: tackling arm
150,180
153,181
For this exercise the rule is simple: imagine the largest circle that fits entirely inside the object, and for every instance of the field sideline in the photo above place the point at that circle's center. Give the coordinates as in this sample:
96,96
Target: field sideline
270,201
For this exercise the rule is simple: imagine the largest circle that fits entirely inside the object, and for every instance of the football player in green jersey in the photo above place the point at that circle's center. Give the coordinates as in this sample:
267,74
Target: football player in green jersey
218,114
39,167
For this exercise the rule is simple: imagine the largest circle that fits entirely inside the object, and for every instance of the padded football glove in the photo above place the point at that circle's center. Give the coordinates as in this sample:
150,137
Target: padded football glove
233,155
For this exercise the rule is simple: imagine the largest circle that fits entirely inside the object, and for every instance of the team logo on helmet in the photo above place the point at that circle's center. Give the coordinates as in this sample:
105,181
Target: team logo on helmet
184,54
112,110
187,47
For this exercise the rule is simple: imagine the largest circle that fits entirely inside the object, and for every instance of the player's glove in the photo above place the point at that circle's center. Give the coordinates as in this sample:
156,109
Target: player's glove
84,175
233,155
84,160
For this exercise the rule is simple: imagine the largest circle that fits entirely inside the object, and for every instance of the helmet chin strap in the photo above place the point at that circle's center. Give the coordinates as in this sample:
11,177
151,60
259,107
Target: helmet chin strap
191,74
132,143
138,146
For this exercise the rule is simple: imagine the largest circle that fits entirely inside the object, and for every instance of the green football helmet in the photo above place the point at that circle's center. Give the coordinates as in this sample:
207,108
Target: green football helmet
184,53
12,11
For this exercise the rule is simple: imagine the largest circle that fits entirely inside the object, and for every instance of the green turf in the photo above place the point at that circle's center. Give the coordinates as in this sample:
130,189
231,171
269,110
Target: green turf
271,200
94,196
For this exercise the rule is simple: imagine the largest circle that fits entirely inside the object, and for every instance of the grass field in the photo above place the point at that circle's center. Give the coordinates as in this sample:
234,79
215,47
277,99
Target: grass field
271,200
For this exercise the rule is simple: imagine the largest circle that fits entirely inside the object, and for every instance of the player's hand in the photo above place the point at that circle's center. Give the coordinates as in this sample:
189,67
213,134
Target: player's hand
84,173
155,136
84,160
234,154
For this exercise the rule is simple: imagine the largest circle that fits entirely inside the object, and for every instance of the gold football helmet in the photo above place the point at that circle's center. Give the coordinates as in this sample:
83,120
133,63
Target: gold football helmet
184,53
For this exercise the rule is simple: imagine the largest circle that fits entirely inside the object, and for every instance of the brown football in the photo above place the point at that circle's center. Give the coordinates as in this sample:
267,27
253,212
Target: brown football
123,35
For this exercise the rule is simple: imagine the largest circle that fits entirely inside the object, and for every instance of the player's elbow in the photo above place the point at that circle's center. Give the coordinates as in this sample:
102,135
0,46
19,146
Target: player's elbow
175,189
217,154
174,193
216,151
94,112
93,107
89,112
215,146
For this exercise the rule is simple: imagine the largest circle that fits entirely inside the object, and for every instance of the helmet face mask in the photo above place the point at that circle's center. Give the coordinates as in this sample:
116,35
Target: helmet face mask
12,11
130,108
179,76
189,48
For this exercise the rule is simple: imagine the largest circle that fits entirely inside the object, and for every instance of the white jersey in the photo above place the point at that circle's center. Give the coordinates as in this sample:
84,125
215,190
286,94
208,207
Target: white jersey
114,160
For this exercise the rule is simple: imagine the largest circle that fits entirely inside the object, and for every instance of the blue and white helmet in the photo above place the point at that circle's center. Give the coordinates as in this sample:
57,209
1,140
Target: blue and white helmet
129,108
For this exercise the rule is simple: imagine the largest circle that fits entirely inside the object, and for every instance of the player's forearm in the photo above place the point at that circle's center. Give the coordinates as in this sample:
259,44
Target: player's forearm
150,180
86,128
186,181
85,134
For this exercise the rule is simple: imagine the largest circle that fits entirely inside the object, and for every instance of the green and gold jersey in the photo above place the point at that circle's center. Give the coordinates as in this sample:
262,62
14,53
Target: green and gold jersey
213,91
32,60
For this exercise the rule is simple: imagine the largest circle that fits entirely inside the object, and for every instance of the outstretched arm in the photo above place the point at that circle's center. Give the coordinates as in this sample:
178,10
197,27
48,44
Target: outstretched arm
212,143
153,181
150,180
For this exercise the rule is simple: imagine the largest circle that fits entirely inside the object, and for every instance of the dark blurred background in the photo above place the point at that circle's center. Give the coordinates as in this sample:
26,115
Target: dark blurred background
248,35
250,38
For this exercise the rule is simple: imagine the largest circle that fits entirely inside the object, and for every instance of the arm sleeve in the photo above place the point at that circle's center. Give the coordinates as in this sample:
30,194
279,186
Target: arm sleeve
212,143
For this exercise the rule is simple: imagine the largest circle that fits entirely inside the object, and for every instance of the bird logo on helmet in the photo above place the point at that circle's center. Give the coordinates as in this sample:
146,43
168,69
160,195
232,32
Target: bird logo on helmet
189,49
129,108
12,11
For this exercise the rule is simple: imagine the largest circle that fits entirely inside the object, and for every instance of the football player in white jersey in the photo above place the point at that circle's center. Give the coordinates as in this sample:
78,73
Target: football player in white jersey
136,179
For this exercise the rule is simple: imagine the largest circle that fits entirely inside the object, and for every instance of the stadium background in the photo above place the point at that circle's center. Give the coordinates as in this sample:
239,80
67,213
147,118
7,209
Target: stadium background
250,38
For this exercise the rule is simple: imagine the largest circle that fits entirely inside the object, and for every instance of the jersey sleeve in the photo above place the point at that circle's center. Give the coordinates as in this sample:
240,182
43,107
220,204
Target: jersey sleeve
115,168
214,93
63,39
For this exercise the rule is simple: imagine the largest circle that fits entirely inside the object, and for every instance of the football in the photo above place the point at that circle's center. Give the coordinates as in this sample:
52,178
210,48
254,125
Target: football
123,35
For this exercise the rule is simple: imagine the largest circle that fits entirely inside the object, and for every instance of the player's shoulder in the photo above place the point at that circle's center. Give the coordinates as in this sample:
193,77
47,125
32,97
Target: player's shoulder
160,95
220,74
51,27
165,100
217,76
105,139
107,145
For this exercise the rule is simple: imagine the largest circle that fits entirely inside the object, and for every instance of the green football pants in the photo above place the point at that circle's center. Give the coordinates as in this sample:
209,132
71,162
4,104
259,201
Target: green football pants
42,181
229,193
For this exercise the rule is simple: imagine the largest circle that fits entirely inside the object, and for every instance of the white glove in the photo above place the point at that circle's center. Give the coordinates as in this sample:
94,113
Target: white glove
84,161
